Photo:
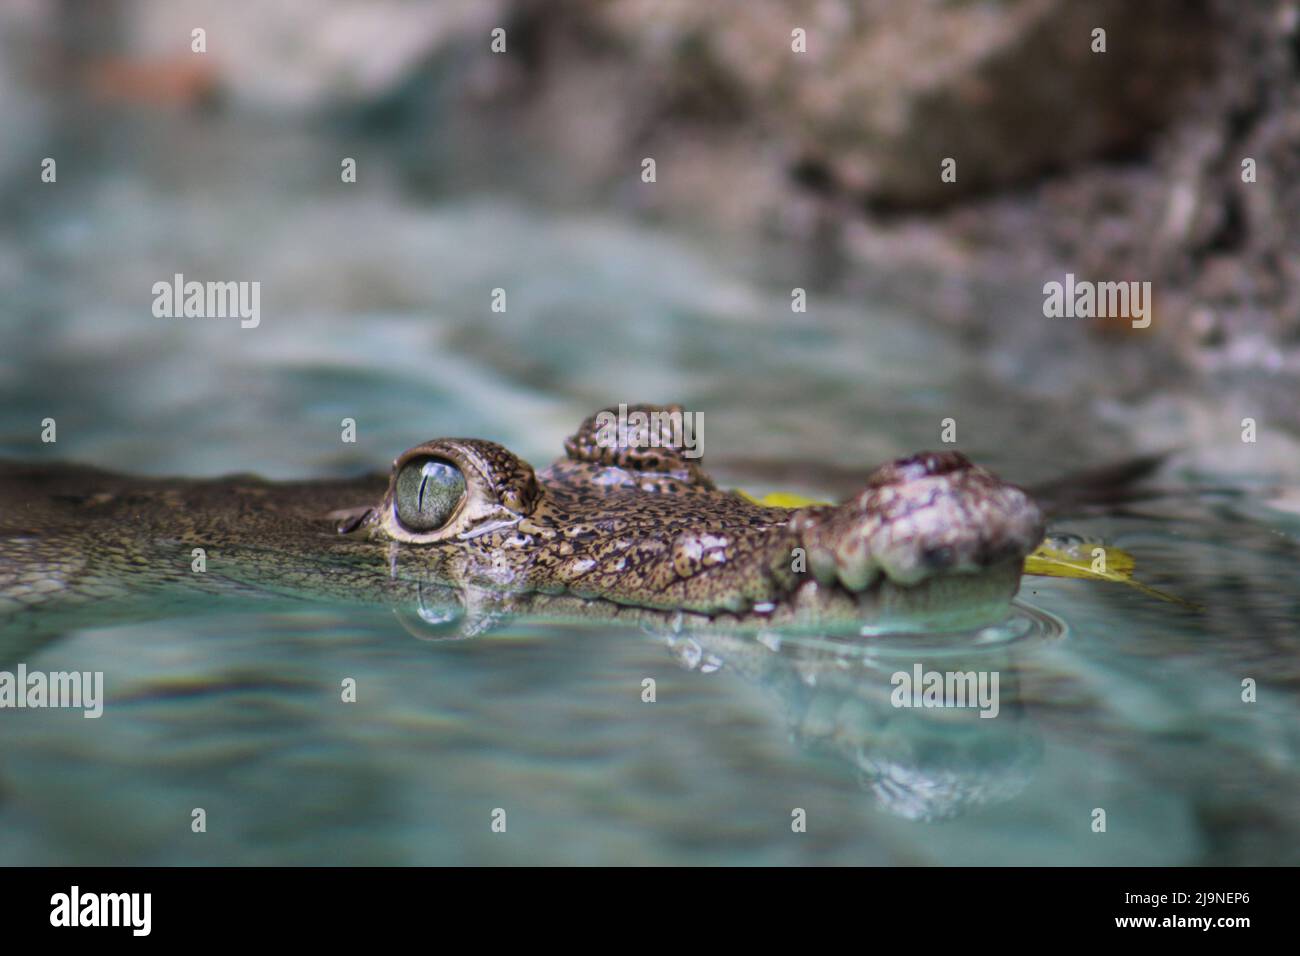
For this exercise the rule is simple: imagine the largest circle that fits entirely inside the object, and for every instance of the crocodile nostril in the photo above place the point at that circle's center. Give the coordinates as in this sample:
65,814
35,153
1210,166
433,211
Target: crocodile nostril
927,464
938,558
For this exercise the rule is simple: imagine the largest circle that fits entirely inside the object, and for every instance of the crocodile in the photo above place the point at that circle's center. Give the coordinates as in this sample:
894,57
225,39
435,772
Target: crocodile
462,532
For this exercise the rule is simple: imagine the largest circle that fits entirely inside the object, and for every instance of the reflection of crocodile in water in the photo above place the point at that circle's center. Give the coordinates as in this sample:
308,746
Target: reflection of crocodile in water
925,765
633,531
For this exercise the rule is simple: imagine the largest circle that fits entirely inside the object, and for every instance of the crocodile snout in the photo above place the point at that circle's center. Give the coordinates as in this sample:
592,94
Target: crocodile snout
930,514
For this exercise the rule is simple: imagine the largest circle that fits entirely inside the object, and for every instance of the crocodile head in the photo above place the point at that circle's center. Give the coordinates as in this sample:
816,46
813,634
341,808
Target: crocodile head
630,519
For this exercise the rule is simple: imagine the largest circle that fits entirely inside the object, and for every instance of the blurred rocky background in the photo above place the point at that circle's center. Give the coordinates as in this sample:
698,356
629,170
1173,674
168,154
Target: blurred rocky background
1122,165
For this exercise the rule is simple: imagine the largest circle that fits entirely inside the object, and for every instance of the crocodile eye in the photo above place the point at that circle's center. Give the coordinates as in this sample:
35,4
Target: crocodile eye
428,491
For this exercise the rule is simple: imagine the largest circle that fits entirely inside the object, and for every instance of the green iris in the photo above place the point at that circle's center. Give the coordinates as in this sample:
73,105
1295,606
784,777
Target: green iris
428,491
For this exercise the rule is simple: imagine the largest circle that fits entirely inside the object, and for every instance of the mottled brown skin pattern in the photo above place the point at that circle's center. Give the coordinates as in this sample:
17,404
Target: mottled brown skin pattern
625,532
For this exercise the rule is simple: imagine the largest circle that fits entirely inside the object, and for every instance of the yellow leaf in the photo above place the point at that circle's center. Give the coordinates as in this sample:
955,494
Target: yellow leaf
1076,560
780,499
1057,559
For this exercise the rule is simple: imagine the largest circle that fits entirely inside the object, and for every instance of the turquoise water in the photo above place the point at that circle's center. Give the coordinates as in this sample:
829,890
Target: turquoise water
376,306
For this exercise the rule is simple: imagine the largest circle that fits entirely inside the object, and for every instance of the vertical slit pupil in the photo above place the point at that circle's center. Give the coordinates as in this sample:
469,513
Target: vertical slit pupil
428,491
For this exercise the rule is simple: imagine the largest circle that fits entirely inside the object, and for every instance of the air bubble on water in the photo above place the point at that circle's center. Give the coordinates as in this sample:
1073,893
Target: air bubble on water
690,653
438,615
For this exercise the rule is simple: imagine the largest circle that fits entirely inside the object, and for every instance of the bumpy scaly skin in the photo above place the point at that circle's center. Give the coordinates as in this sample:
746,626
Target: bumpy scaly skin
610,531
929,514
646,527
